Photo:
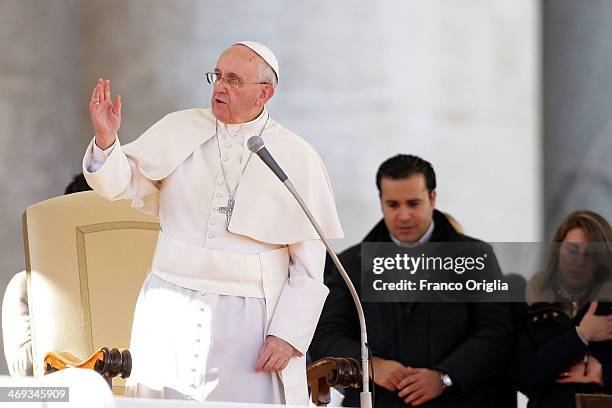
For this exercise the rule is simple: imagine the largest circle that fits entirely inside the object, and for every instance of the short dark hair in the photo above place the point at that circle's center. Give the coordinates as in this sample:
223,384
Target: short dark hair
77,184
403,166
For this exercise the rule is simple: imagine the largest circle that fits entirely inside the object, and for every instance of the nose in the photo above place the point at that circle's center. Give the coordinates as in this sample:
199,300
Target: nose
581,257
404,214
220,85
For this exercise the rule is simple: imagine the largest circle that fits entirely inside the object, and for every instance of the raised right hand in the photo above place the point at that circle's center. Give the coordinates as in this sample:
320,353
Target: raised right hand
594,327
105,114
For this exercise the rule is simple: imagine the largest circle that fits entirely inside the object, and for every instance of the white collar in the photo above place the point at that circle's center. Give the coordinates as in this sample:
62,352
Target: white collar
250,128
425,238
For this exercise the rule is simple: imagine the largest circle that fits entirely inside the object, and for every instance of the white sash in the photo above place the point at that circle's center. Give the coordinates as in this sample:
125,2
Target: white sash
260,275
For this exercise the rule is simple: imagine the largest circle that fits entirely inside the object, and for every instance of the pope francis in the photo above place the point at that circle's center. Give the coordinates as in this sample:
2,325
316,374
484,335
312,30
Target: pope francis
236,284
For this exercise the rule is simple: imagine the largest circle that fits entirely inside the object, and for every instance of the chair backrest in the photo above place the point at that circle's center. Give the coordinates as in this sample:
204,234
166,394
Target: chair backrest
86,259
593,401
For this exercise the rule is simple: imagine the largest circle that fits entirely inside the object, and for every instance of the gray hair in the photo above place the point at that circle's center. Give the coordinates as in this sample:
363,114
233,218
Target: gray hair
265,73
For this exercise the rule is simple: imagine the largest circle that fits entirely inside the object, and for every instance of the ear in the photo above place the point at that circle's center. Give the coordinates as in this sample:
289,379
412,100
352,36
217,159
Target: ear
382,203
432,198
267,91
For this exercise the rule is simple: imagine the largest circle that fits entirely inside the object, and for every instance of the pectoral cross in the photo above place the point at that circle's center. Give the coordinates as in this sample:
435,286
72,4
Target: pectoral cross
228,212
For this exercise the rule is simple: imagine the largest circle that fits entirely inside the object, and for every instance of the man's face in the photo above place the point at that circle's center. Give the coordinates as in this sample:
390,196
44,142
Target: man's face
407,207
238,105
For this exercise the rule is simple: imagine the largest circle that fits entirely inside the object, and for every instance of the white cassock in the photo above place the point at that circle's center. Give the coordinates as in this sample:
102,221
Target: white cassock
214,294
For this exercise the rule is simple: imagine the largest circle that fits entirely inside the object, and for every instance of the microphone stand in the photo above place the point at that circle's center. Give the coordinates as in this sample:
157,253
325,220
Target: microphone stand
256,145
365,397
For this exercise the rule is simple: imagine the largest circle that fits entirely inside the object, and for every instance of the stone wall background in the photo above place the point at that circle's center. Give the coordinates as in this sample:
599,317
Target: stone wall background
577,119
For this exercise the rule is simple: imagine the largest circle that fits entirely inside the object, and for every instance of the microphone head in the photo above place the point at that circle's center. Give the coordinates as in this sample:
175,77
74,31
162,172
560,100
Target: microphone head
255,143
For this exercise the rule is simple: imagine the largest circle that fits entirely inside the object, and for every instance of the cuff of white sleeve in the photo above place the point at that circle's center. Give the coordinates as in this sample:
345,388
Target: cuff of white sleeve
97,157
102,154
297,348
110,177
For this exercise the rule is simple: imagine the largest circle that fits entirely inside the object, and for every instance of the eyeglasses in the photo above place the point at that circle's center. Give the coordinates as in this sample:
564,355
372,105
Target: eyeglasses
213,78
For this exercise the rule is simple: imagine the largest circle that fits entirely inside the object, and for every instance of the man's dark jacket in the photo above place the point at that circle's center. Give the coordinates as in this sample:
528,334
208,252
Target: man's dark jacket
469,341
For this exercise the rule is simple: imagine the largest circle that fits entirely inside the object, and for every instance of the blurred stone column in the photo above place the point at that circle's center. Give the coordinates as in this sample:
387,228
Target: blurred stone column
155,53
39,114
577,108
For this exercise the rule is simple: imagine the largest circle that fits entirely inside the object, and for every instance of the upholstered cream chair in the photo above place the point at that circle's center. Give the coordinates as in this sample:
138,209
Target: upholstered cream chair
86,259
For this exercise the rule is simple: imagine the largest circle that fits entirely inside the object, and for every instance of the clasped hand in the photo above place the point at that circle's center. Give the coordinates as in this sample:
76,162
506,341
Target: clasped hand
588,371
415,385
594,328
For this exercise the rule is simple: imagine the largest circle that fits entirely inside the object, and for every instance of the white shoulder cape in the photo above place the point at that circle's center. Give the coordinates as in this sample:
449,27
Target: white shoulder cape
264,210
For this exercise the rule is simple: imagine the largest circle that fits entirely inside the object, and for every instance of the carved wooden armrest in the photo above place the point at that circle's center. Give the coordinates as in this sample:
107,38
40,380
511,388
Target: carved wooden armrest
593,401
332,372
107,362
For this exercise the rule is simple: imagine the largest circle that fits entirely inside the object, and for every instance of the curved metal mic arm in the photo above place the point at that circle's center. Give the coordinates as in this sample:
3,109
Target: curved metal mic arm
365,396
256,145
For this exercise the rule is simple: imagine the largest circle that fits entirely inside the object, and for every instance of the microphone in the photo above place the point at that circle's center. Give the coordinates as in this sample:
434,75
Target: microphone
256,145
